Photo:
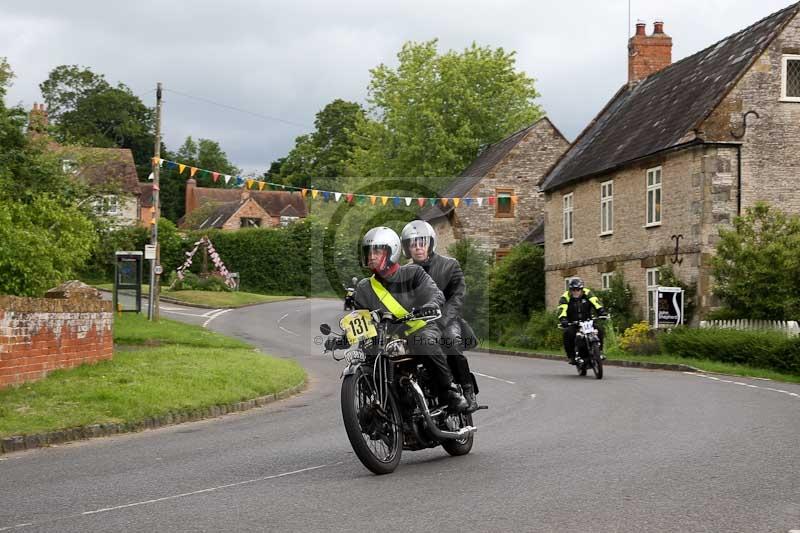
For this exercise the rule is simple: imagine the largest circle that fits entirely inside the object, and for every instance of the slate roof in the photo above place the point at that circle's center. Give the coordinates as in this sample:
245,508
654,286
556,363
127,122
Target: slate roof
221,215
103,168
146,199
536,235
663,110
476,171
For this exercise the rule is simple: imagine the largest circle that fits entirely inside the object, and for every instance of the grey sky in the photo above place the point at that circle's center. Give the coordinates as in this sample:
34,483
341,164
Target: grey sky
288,59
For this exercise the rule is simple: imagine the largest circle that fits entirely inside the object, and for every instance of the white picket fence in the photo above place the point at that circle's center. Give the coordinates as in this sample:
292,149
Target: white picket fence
789,327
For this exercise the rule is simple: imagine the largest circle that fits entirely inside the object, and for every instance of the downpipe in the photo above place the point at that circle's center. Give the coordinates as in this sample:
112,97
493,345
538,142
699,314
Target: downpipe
432,427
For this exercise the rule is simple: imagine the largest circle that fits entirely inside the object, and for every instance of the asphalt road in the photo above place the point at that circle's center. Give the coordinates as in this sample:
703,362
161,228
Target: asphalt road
637,451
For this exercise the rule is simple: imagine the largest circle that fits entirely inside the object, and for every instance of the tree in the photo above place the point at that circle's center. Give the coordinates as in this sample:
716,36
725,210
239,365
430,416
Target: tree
44,236
433,114
757,265
325,153
517,283
87,110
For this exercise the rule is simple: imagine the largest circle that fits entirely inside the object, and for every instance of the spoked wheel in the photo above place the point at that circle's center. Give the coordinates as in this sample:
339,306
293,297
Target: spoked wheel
597,362
460,446
581,368
375,432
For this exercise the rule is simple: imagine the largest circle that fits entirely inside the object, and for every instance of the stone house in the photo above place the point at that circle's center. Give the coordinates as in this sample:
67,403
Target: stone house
243,208
508,170
110,173
678,152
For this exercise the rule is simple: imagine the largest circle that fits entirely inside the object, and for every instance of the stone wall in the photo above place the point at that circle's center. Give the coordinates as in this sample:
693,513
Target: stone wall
520,172
39,335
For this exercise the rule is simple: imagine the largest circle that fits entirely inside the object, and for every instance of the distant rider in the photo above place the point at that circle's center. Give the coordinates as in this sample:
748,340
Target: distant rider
577,304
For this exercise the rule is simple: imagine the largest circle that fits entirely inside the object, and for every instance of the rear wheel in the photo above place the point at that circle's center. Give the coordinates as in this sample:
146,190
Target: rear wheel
460,446
597,362
375,432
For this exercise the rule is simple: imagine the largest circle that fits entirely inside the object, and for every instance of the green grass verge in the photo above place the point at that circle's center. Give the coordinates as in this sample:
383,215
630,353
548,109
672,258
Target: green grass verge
211,298
191,369
702,364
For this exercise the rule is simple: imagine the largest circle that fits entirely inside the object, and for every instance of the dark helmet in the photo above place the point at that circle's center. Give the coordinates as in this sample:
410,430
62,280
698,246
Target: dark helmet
575,283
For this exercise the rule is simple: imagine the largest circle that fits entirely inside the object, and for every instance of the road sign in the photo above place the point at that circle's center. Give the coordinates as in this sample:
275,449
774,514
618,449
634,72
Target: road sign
158,270
149,251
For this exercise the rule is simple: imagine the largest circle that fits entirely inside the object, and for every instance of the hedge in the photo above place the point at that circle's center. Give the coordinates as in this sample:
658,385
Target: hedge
771,350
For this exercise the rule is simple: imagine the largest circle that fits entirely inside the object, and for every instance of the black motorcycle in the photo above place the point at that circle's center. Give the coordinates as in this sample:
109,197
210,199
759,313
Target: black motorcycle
389,400
349,298
587,347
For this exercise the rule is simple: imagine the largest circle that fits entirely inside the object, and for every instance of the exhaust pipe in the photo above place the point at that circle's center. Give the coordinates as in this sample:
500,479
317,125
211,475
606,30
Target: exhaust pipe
432,427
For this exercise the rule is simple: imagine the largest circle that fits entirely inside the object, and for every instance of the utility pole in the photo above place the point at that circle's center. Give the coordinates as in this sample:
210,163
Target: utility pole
155,264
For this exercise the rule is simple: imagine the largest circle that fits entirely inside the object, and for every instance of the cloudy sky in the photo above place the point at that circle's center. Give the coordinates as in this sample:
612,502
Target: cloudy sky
286,60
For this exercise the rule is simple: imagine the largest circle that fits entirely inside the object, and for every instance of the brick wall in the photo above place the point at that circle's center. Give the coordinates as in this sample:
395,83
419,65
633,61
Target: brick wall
250,209
39,335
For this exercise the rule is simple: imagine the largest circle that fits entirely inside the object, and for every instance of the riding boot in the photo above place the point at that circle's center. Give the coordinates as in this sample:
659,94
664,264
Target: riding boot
469,395
454,401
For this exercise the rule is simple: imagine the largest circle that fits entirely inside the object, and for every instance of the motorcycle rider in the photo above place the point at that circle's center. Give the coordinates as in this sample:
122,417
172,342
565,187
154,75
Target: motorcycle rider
419,244
410,288
577,303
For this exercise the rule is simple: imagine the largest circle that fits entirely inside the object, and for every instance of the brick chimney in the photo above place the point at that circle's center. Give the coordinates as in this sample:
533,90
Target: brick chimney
37,119
191,201
647,54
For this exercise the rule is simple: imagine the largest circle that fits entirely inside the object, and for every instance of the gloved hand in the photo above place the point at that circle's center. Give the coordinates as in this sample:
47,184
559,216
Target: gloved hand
563,322
602,311
335,343
426,310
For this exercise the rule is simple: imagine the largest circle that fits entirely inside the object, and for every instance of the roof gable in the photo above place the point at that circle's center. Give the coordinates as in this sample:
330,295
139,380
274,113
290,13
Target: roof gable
103,168
487,161
663,110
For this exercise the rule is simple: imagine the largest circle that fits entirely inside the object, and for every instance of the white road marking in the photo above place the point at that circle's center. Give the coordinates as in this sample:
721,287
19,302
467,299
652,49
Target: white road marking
180,313
492,377
533,396
173,497
284,329
793,394
212,317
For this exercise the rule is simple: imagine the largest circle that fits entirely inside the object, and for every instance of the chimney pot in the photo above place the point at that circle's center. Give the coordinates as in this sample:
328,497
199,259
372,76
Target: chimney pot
640,26
648,54
658,27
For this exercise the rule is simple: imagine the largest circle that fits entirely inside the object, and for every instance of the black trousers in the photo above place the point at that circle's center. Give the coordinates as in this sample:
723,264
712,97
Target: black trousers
459,330
569,339
426,342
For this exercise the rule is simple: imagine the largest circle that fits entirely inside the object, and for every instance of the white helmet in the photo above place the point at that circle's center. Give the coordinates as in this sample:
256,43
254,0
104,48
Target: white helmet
418,229
381,238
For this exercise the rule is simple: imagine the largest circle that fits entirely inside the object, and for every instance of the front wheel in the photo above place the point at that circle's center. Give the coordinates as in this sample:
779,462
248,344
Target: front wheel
597,362
375,432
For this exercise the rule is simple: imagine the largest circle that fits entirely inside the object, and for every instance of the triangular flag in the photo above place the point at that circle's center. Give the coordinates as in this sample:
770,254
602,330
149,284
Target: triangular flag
261,185
192,171
326,195
156,187
156,160
480,201
349,198
314,193
491,200
215,176
362,199
396,201
161,163
303,192
372,200
151,176
514,200
180,168
171,164
227,178
337,196
384,199
421,201
456,201
249,182
444,201
468,201
239,180
408,200
432,201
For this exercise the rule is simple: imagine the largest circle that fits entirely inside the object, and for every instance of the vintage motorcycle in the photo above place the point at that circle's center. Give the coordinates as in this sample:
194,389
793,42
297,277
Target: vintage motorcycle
587,347
389,403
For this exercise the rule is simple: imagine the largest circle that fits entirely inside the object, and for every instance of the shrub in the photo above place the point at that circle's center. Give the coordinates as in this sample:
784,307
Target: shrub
640,339
192,281
475,265
516,287
618,300
763,349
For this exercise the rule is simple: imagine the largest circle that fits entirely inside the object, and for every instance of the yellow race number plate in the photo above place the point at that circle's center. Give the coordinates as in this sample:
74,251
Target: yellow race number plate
358,326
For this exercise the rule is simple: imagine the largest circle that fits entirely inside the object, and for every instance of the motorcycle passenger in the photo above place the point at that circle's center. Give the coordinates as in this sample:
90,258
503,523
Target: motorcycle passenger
577,304
400,290
419,244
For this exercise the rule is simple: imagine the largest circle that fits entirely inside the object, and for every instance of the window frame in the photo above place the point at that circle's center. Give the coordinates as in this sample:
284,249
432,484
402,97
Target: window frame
652,291
256,225
657,190
607,204
500,253
505,193
785,58
605,280
567,213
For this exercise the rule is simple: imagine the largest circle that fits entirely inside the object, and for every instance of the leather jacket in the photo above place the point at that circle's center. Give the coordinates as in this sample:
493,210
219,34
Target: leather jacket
448,276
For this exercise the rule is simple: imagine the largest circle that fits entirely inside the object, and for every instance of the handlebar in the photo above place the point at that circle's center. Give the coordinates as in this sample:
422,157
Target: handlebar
577,322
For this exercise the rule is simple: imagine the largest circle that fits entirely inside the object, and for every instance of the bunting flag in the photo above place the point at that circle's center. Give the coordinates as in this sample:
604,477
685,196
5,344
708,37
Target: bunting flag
350,198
